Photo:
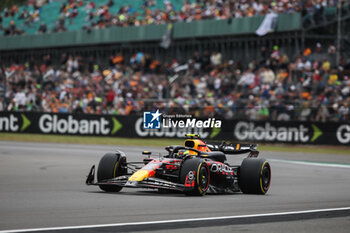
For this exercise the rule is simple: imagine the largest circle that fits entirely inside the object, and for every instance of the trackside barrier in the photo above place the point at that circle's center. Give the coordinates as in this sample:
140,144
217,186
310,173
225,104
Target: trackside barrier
317,133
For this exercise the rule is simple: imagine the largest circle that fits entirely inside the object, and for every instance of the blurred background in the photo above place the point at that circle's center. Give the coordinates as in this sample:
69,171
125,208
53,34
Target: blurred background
278,60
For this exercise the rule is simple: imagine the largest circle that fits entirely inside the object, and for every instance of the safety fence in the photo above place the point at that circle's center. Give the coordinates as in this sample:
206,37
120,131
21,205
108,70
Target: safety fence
317,133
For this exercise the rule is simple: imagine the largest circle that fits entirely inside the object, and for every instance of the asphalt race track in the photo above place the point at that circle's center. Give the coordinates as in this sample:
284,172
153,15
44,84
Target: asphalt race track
42,188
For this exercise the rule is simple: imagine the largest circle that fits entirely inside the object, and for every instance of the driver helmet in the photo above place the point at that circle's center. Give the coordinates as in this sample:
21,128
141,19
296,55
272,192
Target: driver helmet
182,153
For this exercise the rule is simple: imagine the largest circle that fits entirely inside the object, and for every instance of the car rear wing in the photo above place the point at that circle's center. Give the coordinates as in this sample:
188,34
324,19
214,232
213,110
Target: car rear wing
235,148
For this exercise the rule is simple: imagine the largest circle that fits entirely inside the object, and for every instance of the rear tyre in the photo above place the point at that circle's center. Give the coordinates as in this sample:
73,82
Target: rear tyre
254,176
108,168
195,171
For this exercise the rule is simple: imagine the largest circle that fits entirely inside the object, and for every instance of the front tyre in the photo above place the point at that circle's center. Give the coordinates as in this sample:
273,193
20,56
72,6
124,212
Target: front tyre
108,168
254,176
195,176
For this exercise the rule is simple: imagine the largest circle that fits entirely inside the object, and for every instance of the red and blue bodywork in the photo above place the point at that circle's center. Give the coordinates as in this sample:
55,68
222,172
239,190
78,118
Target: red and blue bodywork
196,167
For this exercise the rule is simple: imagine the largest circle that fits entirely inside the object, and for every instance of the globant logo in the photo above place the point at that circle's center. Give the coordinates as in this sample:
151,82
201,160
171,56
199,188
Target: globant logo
101,126
59,124
267,132
12,123
54,124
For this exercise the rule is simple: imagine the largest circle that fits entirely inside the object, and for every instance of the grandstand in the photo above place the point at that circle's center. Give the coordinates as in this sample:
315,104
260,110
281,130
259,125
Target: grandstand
297,28
300,71
49,13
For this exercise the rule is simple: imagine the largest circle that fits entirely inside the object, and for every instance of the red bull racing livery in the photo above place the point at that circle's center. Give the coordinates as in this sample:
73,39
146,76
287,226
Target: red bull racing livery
196,168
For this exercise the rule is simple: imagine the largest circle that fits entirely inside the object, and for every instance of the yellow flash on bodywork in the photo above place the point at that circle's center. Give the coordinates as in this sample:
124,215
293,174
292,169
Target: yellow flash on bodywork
140,175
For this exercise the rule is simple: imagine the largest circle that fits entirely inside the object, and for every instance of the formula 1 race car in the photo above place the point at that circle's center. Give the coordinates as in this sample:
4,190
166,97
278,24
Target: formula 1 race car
196,168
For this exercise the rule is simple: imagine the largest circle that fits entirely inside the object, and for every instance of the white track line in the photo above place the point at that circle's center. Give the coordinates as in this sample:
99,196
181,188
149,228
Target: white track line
175,221
310,163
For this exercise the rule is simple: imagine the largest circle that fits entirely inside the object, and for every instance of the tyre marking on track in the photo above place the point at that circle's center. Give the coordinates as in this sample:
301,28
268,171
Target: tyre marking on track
310,163
177,220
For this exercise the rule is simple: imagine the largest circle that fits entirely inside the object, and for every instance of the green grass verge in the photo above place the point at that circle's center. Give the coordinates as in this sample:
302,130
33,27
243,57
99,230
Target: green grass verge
160,142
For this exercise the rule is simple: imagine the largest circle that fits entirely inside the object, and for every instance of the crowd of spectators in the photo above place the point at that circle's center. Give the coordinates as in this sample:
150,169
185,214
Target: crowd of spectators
29,17
275,87
100,16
